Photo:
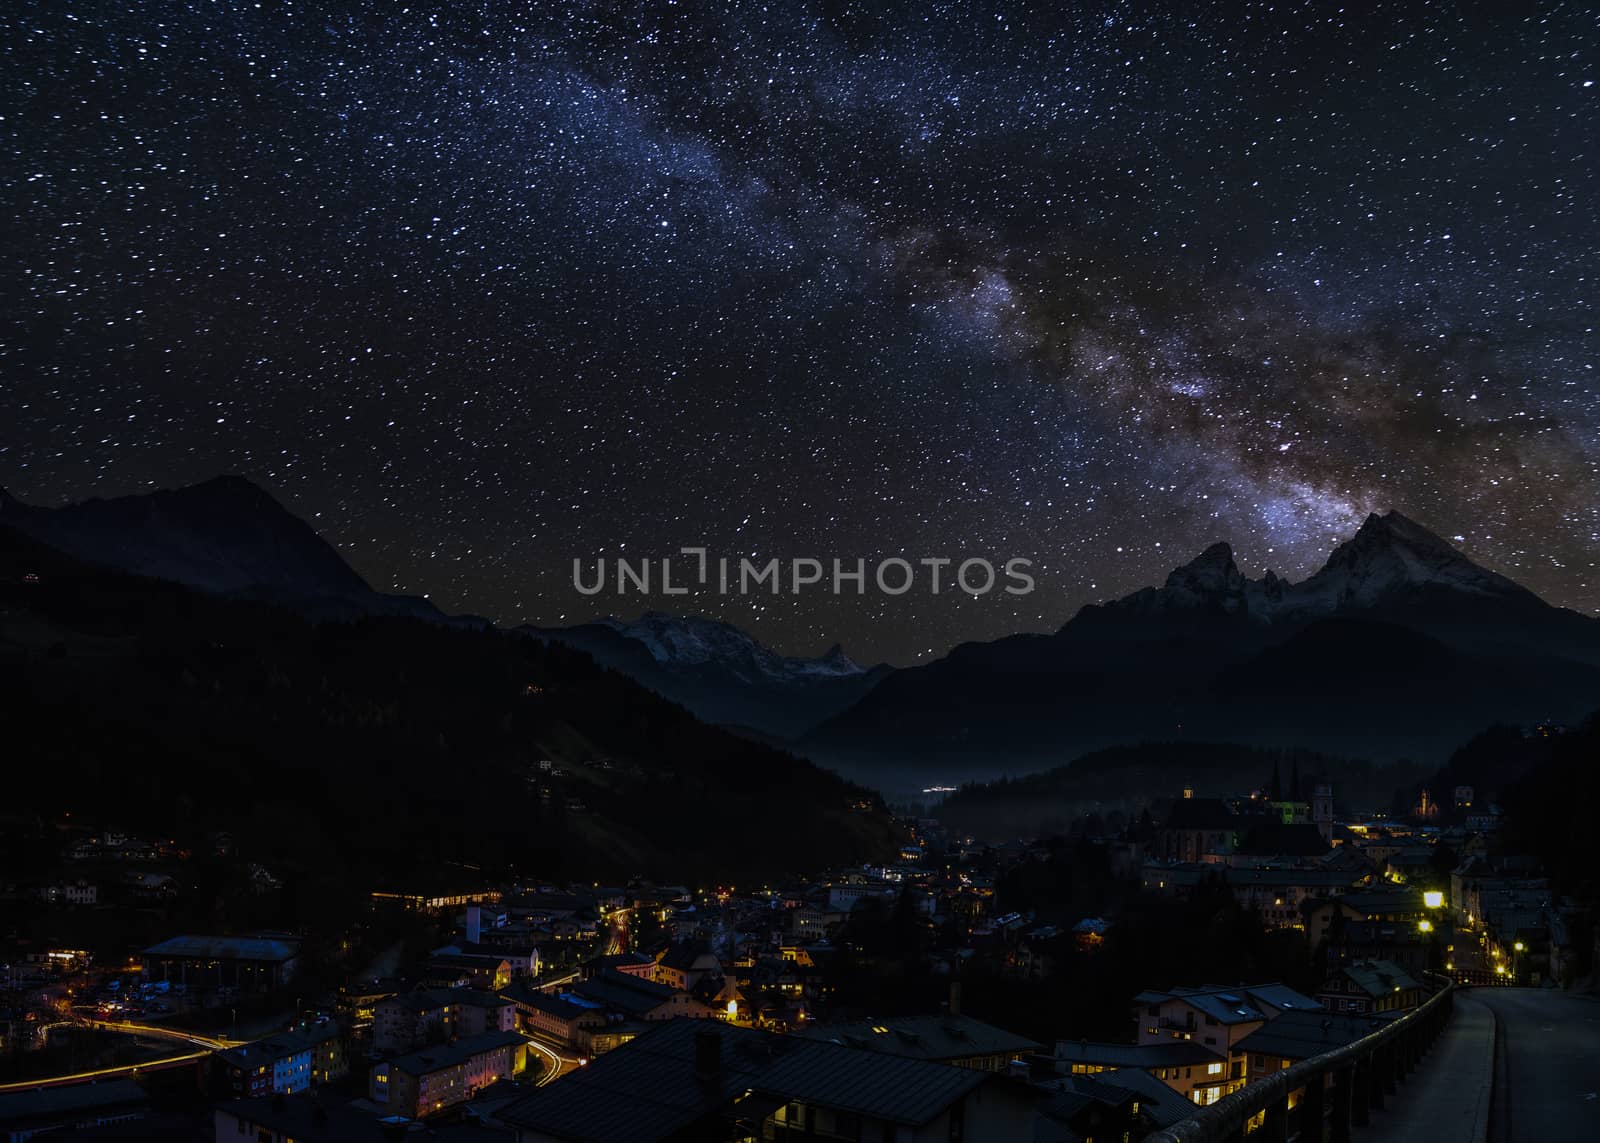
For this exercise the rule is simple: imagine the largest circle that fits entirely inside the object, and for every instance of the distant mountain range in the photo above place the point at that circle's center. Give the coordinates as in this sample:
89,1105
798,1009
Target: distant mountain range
226,536
721,673
1399,646
230,537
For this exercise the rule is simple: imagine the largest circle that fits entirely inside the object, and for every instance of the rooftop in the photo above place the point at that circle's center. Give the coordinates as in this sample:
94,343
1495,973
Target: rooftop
924,1037
227,948
1235,1004
1301,1035
648,1088
1167,1054
449,1055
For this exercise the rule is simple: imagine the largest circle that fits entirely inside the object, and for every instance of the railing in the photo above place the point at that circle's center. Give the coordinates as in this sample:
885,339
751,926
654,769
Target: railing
1337,1090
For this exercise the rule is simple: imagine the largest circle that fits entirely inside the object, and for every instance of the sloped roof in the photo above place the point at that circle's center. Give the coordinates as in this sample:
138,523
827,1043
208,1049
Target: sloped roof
647,1089
1301,1035
624,993
1235,1004
1166,1054
447,1055
924,1037
276,949
1378,977
1160,1103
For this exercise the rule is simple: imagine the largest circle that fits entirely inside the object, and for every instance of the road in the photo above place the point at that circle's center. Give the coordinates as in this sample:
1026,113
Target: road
1547,1066
556,1064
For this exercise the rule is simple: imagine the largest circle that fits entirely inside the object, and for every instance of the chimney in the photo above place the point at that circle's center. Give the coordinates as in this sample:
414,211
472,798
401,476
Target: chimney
707,1055
955,998
474,924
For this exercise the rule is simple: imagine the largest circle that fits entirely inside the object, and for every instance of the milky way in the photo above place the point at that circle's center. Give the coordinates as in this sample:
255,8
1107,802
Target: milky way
481,289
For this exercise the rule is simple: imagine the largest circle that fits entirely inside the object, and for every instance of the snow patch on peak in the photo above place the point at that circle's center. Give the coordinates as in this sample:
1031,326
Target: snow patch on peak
696,640
1393,551
1387,554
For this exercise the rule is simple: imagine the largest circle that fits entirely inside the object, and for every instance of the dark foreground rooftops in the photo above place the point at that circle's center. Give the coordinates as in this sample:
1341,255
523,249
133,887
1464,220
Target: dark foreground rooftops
924,1037
1167,1054
685,1072
1301,1035
190,947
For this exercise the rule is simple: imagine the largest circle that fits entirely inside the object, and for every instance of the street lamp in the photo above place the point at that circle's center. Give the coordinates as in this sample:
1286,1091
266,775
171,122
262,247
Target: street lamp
1433,898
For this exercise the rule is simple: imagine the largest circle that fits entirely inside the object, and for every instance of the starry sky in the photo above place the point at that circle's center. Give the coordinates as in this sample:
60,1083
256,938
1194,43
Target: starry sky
480,288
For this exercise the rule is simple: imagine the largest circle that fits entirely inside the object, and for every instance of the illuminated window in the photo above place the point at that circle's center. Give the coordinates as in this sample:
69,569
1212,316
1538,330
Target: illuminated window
1213,1069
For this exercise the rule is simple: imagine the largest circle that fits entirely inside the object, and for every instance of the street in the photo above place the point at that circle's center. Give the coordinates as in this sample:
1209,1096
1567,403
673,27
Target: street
1547,1065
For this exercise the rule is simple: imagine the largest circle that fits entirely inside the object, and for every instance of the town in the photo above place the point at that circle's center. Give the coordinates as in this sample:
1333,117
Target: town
1099,985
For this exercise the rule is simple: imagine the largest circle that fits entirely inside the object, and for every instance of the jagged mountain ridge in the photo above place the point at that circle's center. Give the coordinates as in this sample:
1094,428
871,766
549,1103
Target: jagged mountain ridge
1388,554
1399,646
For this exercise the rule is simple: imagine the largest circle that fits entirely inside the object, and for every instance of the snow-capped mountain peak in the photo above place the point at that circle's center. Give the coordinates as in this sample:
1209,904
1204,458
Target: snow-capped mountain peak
1388,555
1392,552
693,640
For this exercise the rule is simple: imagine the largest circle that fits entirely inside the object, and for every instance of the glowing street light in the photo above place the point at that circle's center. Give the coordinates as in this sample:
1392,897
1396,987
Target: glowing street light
1433,898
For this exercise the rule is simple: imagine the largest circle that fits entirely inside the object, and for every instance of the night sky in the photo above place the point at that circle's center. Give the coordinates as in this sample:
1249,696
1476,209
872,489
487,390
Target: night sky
479,288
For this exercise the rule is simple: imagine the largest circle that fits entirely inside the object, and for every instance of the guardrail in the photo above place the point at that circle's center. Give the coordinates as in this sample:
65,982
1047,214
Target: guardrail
1333,1091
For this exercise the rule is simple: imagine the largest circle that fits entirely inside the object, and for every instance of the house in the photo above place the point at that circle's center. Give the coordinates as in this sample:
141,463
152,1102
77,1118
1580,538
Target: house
580,1015
631,963
278,1065
695,1079
1197,1073
686,964
203,963
1278,894
959,1041
408,1020
430,1081
563,1018
1216,1017
1079,1108
1370,986
357,1005
490,971
1413,948
521,957
1296,1036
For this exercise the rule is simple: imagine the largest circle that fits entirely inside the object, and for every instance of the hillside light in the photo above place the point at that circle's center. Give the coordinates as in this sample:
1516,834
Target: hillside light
1433,898
1518,946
